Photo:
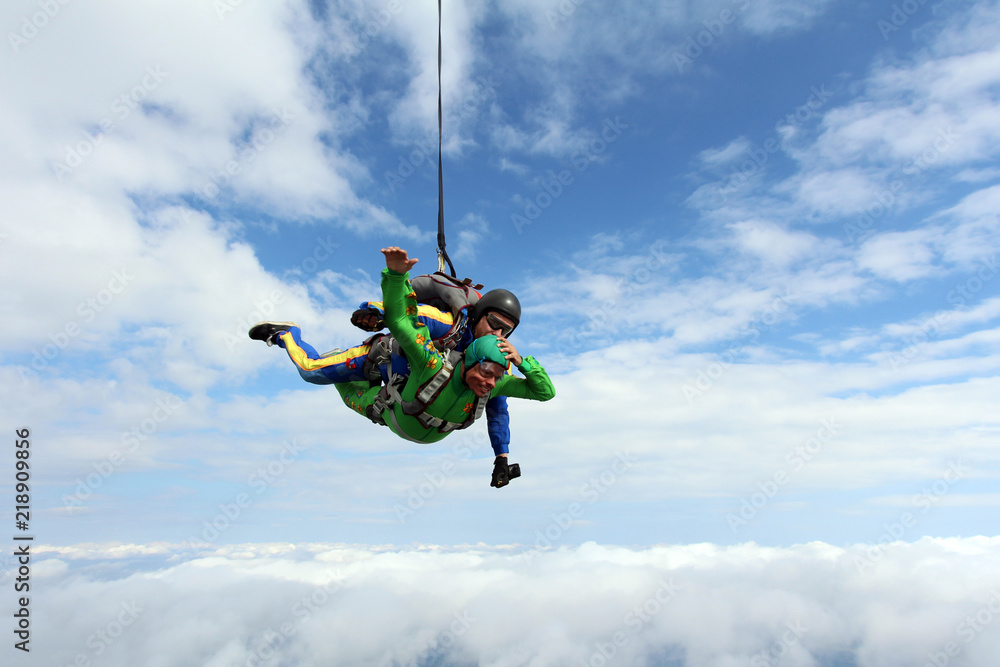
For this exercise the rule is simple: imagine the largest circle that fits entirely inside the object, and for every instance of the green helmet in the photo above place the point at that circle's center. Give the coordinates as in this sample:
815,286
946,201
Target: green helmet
483,349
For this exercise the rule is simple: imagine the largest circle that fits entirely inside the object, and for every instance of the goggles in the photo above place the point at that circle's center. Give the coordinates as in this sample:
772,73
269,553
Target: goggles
496,323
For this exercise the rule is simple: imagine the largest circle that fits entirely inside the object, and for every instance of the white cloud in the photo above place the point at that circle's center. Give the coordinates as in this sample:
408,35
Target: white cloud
773,244
514,167
934,111
949,321
341,605
473,230
782,15
249,129
734,150
178,275
841,192
978,175
891,147
899,256
106,258
463,99
562,49
973,240
952,500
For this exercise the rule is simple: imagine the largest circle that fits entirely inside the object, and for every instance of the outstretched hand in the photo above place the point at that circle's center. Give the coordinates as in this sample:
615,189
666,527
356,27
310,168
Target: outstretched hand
397,260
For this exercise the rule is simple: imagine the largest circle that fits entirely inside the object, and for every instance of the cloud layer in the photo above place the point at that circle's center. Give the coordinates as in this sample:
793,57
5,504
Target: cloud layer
308,604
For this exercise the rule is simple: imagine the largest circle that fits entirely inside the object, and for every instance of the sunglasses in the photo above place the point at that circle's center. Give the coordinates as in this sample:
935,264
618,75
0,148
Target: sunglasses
496,323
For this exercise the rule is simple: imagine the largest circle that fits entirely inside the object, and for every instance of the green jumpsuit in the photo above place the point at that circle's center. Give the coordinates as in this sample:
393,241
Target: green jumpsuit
456,402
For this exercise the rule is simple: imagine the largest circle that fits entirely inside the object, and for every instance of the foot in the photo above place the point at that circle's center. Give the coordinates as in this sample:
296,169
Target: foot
269,331
368,319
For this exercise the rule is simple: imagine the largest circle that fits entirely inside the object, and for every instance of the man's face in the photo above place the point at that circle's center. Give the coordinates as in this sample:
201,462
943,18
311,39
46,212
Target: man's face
481,378
493,323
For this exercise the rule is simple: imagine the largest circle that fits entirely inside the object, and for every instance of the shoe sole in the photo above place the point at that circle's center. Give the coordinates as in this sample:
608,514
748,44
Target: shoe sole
265,330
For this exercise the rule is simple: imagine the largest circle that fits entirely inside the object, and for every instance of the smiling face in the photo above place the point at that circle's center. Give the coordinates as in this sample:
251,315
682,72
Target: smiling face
482,377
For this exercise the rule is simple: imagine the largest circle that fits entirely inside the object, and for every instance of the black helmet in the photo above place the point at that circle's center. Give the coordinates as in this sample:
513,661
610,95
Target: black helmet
500,300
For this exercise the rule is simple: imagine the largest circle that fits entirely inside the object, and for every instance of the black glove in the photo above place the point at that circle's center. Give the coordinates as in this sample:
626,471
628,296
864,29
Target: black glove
500,472
503,473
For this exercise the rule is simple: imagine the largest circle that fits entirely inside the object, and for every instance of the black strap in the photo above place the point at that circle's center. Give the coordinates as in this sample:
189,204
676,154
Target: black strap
442,253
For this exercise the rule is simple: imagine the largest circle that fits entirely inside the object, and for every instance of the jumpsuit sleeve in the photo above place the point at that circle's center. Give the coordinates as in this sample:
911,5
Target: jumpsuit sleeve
535,386
498,424
400,304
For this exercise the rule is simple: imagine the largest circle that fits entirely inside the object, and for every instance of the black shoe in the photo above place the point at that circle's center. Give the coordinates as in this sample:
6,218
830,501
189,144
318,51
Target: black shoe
269,331
368,319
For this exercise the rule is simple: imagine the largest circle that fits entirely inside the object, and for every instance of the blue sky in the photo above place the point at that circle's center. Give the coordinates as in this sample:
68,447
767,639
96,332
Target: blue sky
755,243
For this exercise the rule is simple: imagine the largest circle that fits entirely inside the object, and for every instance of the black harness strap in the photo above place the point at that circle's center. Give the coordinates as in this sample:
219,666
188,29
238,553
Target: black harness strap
442,253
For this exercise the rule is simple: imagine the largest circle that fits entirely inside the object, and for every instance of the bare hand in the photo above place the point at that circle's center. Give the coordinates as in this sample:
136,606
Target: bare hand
509,351
397,260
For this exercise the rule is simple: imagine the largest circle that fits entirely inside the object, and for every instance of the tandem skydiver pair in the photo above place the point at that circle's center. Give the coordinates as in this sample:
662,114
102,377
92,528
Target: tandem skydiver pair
437,370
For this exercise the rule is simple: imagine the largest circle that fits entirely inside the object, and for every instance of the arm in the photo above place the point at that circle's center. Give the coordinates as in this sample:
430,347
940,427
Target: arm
401,308
498,423
535,386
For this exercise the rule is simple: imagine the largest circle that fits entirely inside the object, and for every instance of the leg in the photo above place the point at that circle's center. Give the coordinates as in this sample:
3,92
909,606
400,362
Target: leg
347,366
358,395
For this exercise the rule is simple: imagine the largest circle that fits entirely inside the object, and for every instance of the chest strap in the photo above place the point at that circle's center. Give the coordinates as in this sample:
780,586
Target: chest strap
390,395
